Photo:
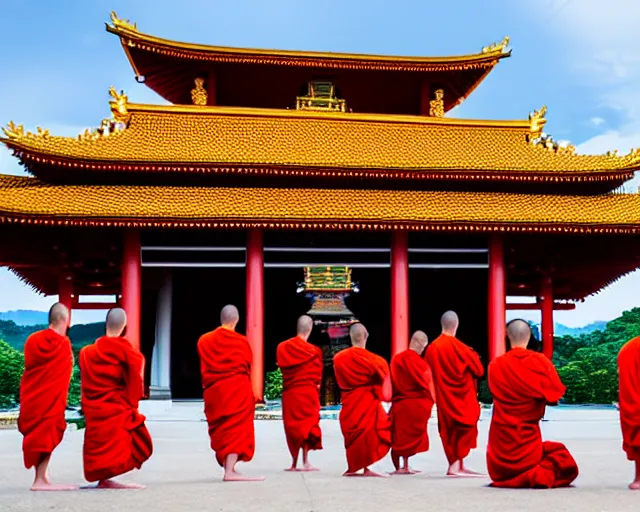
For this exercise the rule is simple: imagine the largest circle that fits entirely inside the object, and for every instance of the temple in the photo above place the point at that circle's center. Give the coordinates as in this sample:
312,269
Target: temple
269,162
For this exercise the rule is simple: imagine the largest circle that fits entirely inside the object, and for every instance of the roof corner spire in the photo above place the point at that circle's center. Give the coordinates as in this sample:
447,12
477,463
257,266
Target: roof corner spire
497,47
117,23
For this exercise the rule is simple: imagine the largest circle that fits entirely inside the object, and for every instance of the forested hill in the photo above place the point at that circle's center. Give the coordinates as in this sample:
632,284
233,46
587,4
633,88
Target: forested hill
587,363
80,335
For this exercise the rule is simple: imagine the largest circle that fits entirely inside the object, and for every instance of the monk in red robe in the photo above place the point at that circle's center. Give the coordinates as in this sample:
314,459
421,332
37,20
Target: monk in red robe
522,383
412,402
365,425
455,368
301,366
116,439
229,404
48,365
629,405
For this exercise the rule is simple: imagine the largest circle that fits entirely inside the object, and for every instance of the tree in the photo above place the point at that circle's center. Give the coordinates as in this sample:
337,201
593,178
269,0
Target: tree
11,369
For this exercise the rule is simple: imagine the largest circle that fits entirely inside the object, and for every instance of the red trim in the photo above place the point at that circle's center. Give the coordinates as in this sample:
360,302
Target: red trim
535,306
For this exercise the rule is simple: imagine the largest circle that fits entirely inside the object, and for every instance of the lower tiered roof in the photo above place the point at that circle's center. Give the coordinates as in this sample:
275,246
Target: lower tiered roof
28,200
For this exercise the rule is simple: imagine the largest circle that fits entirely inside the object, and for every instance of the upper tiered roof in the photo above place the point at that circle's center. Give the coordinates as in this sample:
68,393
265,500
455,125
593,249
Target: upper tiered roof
243,77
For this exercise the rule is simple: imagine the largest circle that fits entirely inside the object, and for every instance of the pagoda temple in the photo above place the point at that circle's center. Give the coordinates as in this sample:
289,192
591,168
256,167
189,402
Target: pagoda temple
267,162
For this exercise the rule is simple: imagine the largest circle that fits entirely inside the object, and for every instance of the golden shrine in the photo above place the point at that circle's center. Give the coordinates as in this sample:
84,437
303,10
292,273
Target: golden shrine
268,162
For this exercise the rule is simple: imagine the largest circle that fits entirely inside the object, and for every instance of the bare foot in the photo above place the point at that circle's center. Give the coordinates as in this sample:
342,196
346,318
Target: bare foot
309,467
112,484
635,485
470,472
45,486
346,473
234,476
292,468
368,472
402,471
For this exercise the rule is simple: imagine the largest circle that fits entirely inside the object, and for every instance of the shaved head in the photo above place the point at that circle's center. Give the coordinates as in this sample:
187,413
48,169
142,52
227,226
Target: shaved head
304,326
449,322
59,318
229,316
418,342
358,334
519,333
116,322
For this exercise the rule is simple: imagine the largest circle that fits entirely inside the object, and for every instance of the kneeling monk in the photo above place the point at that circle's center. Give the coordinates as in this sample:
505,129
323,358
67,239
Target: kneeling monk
629,371
365,425
301,366
229,404
116,439
522,383
413,396
48,364
455,368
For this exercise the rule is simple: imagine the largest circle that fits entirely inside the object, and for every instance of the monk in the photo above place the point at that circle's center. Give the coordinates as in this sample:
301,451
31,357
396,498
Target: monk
48,365
116,439
412,402
365,425
229,404
301,366
523,383
629,405
455,368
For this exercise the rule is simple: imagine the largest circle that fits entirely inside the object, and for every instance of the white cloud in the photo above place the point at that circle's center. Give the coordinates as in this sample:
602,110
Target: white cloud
597,121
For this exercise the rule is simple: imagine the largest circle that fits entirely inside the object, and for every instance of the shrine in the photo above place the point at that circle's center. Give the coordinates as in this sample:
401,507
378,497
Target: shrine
270,162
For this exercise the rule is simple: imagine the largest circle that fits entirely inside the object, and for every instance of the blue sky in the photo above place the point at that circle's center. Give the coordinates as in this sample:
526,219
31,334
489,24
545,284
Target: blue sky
579,57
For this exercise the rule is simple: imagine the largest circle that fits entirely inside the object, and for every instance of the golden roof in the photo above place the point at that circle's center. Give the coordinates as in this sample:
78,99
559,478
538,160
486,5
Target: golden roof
132,38
28,200
196,139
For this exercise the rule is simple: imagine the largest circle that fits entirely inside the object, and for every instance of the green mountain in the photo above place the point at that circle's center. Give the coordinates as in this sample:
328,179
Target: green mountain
25,317
563,330
80,335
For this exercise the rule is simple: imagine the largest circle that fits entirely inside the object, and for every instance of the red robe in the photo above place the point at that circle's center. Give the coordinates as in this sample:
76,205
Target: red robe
629,372
301,366
412,404
365,425
48,365
116,439
522,383
455,368
229,404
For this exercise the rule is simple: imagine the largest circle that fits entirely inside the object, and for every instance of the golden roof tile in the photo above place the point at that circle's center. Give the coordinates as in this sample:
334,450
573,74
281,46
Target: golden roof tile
32,201
251,141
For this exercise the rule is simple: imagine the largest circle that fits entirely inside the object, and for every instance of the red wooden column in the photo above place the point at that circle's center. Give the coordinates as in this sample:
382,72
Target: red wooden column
399,292
212,90
497,297
546,294
65,292
131,284
255,309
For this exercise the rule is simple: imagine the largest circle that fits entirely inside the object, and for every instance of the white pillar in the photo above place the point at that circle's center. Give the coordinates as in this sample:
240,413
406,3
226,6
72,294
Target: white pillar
161,359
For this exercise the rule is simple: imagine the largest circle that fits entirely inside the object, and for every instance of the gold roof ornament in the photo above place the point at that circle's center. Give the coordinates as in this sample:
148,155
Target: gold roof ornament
497,47
16,132
536,123
436,105
119,106
122,24
321,96
199,95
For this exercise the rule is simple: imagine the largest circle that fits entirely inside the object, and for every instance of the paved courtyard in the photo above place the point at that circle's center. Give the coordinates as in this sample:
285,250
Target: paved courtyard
183,475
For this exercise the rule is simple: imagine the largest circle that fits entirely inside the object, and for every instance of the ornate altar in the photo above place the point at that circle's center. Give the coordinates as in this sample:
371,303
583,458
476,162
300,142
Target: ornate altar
328,287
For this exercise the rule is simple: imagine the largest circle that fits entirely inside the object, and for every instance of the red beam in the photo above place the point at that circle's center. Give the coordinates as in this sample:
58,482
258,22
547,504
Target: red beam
536,306
131,278
255,309
497,298
399,292
94,305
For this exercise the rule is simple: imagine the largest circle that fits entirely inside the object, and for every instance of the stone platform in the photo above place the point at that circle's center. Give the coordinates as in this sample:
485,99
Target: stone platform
183,474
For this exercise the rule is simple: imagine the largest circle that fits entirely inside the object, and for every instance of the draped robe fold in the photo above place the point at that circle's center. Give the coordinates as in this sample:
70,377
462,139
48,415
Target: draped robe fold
522,383
365,425
301,366
629,372
116,439
48,365
455,368
229,404
411,404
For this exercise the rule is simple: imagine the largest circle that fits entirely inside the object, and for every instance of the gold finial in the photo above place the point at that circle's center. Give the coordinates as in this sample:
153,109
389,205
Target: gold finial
199,94
436,105
497,47
13,131
122,24
119,106
537,122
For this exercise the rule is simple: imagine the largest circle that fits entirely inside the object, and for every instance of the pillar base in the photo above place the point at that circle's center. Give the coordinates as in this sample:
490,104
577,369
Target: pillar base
159,393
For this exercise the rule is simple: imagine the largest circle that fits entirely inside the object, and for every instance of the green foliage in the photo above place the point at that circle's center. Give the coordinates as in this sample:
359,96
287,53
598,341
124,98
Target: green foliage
484,395
273,385
74,387
11,368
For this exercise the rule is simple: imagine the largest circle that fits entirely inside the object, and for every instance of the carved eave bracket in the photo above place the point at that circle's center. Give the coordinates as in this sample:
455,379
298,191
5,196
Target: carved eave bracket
117,23
500,47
